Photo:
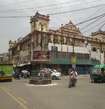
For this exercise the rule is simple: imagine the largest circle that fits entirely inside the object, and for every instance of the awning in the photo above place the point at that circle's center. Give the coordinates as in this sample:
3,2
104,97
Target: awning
20,65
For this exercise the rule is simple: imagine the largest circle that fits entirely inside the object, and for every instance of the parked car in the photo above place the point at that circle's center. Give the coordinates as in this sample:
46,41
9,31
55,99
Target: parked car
97,74
44,73
55,75
52,73
25,73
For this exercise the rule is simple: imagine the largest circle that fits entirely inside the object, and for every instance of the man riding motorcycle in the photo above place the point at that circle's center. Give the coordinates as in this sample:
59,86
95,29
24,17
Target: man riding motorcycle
72,78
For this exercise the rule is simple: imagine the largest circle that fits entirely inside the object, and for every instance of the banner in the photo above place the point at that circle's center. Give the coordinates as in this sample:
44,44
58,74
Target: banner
73,59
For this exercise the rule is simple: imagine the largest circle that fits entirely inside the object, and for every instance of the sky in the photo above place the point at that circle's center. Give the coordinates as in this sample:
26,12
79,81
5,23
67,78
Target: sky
14,28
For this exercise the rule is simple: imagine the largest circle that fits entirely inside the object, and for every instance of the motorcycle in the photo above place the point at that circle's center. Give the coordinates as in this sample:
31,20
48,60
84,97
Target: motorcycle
72,80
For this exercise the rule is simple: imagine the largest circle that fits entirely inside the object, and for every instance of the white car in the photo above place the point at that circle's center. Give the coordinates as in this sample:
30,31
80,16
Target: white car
25,73
55,74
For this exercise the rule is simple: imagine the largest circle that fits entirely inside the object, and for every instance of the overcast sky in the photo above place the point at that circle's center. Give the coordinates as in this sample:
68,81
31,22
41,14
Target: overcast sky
13,28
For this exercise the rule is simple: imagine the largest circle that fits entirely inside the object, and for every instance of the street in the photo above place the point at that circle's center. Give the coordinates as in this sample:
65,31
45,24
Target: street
21,95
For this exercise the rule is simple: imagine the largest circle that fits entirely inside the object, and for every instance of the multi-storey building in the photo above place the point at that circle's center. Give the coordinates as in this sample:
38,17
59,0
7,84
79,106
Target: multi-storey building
99,47
4,58
60,48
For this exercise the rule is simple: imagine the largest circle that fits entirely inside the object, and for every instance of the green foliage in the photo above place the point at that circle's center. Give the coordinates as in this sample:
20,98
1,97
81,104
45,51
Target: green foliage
8,69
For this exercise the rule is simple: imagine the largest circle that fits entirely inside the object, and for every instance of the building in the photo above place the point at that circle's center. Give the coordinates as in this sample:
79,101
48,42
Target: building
59,49
99,48
4,58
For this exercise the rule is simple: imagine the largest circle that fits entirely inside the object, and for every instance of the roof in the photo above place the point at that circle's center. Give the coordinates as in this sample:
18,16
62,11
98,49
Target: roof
98,32
39,16
70,28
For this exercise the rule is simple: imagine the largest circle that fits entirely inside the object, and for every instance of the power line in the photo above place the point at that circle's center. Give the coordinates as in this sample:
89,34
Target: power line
63,4
76,10
97,18
91,23
39,7
90,19
64,12
94,12
14,16
102,26
93,27
44,6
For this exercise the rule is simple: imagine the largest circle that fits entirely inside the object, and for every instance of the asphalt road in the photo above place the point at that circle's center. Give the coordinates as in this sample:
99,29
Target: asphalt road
21,95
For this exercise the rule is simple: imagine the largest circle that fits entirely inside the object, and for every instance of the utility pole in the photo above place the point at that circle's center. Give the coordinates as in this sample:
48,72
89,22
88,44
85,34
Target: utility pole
61,36
41,44
32,48
73,58
100,50
41,38
68,41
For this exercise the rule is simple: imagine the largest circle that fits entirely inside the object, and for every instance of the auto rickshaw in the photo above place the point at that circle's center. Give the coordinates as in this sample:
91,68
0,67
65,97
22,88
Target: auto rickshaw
97,75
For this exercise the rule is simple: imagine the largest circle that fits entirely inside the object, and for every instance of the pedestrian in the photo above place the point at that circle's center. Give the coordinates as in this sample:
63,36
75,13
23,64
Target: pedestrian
73,75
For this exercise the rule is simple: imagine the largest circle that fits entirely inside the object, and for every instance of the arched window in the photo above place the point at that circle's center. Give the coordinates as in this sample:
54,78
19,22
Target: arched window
62,40
41,26
55,40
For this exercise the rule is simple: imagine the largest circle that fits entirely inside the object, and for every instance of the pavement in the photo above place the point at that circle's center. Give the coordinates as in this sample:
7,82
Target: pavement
19,94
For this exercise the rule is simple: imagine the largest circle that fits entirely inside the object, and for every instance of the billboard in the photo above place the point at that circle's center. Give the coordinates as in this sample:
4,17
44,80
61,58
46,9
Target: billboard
40,55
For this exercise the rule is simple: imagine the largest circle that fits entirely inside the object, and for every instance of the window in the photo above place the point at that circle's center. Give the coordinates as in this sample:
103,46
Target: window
62,40
55,39
54,49
94,49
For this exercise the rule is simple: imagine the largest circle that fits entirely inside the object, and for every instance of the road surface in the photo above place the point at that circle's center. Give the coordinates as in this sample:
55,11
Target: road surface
21,95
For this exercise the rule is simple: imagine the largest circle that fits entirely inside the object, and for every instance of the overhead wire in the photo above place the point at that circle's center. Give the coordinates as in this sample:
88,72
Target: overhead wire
64,12
96,18
49,5
102,25
94,13
91,23
61,5
95,25
14,16
82,22
91,28
76,10
38,7
45,6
